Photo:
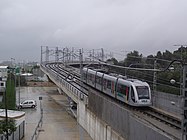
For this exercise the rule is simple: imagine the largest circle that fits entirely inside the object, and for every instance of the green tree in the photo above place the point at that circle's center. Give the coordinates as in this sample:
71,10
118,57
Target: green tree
113,60
9,127
133,58
159,55
150,60
181,53
167,55
163,59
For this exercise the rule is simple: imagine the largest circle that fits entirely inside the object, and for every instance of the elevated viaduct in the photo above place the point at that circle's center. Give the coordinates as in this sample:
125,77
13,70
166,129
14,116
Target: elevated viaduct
106,119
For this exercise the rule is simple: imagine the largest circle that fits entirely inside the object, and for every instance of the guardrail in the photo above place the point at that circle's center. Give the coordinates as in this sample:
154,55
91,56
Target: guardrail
78,93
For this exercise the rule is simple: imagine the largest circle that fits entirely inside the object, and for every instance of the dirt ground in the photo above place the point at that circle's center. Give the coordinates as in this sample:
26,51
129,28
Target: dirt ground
41,84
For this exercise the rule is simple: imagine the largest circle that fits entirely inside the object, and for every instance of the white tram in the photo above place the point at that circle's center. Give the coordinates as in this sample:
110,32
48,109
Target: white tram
131,91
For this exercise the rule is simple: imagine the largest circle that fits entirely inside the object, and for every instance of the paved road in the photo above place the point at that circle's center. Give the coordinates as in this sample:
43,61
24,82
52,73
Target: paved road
57,123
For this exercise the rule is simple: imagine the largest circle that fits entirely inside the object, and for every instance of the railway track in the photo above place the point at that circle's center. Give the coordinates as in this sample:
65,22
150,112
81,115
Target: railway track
68,75
160,116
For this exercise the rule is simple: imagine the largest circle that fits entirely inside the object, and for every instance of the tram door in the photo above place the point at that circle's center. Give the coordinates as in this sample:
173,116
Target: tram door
112,87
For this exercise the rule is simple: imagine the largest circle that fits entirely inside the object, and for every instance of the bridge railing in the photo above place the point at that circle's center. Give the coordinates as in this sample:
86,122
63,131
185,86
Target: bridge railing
62,83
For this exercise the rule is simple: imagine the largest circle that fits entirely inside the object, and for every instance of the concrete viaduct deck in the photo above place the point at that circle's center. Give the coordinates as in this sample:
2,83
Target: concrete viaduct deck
104,119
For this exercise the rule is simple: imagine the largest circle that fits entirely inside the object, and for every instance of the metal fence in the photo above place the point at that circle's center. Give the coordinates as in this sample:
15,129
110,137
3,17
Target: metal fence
77,92
168,102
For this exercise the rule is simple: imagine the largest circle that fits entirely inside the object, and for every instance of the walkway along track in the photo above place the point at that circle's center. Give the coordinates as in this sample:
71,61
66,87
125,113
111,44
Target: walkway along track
151,112
163,117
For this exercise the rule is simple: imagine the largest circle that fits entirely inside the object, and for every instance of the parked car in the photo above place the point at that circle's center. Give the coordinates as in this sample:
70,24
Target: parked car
28,104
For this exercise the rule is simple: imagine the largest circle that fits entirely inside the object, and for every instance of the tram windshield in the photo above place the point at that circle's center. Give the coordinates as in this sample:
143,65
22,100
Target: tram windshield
143,92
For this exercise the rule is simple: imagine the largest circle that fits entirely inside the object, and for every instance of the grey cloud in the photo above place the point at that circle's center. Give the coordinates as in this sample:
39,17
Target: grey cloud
120,25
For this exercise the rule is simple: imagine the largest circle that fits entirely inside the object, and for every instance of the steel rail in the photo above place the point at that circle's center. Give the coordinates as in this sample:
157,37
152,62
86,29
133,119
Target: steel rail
149,111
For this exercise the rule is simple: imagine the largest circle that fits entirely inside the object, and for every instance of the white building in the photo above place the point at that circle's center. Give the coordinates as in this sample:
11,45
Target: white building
19,117
3,77
3,72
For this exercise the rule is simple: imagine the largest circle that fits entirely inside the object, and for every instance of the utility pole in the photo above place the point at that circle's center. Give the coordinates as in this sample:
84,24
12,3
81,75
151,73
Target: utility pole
93,55
184,103
72,54
6,114
6,107
19,81
41,59
182,69
81,71
154,76
56,60
63,54
56,55
47,54
102,54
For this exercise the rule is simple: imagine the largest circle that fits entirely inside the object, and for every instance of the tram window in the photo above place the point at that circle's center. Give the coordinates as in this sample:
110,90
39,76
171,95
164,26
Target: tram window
92,78
127,92
104,83
2,84
108,84
143,92
121,89
84,76
132,94
98,80
88,76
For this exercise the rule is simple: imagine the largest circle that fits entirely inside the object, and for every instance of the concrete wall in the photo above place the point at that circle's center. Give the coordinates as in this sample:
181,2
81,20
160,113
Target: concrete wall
97,128
106,120
140,131
124,123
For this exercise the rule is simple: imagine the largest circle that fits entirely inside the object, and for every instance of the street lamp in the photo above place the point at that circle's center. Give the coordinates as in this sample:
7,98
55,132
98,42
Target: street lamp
6,111
183,89
81,70
172,81
6,114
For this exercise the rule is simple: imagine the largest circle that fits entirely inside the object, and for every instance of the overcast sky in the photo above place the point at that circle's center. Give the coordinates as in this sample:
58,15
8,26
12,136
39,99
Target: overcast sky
115,25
